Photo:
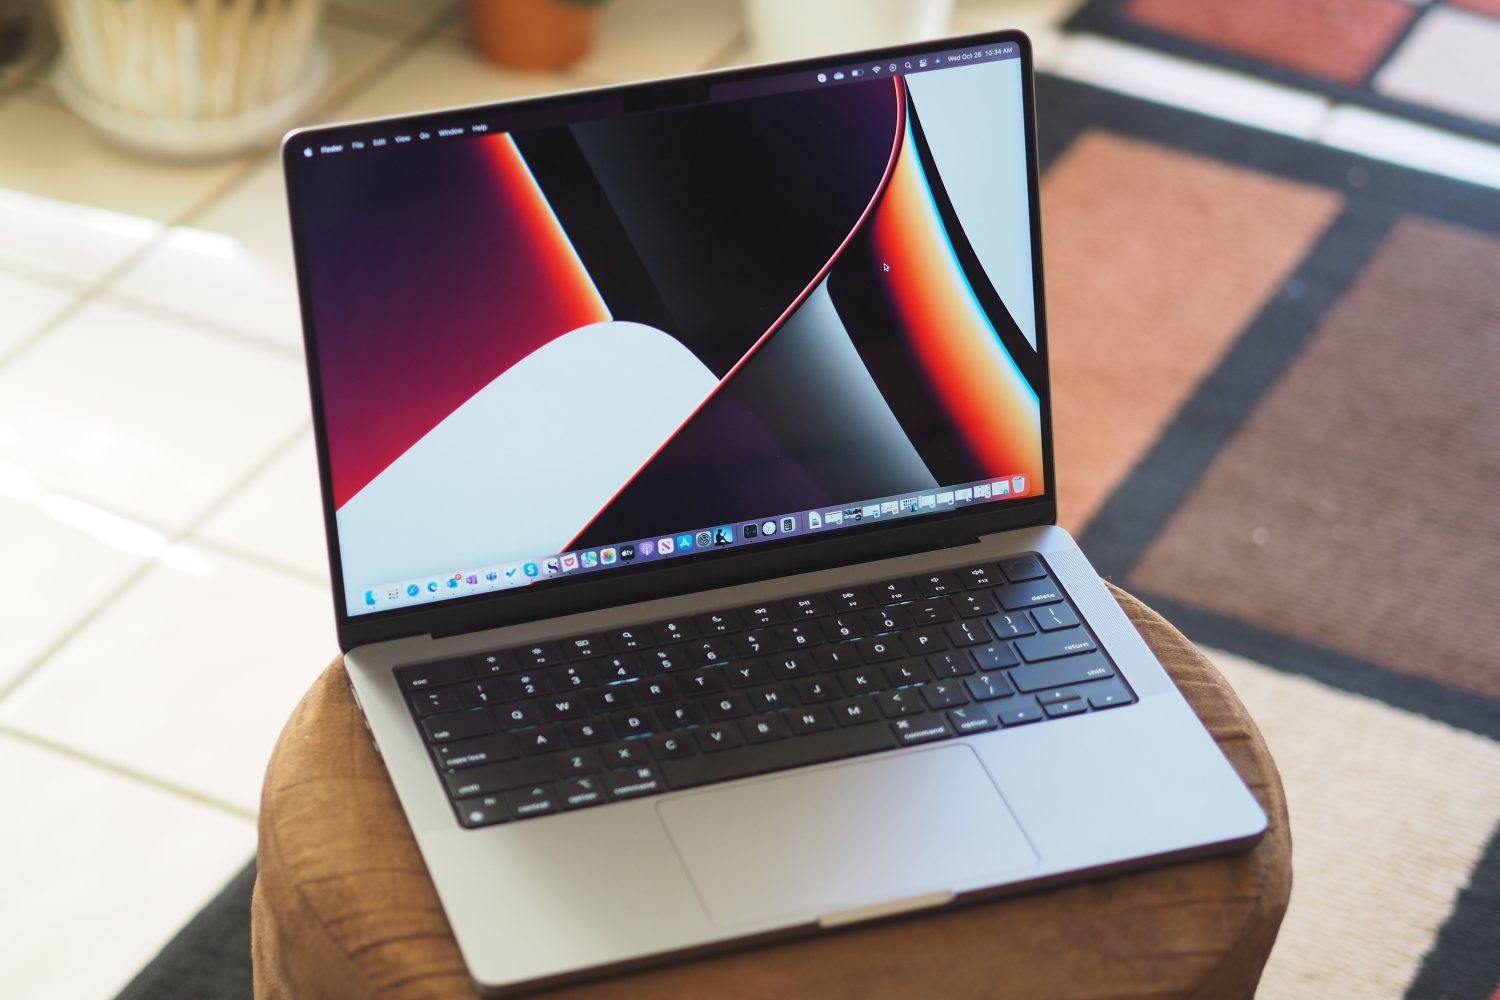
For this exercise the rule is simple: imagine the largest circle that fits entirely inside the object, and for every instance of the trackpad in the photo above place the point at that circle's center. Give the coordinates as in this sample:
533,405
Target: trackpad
813,844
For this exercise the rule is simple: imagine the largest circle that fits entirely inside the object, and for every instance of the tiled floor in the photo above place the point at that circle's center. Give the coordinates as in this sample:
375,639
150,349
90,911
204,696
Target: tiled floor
164,600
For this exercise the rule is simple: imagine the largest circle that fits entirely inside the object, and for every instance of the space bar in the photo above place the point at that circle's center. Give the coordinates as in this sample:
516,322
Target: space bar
797,751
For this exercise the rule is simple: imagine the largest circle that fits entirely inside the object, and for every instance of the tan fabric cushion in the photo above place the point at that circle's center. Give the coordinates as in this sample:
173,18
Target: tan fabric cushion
343,906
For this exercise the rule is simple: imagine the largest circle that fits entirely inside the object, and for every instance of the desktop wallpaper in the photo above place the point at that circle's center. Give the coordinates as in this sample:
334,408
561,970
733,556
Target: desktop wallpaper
570,336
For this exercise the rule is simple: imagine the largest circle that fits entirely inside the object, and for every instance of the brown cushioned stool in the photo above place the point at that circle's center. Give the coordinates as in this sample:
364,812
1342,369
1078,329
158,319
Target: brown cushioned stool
343,906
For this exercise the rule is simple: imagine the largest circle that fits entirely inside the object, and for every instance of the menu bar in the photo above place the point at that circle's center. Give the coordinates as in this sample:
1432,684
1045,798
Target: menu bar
395,136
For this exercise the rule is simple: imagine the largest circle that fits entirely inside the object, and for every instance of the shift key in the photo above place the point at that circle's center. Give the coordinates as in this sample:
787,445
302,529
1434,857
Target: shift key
1057,673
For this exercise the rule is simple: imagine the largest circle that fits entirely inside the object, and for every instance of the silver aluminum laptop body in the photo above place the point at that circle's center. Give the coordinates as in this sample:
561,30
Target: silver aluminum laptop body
579,894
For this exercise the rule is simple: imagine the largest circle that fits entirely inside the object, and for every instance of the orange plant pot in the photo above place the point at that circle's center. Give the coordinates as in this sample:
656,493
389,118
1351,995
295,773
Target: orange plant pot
533,34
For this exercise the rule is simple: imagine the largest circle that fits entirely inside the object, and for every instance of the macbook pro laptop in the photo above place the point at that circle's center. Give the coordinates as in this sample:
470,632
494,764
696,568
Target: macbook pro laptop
690,495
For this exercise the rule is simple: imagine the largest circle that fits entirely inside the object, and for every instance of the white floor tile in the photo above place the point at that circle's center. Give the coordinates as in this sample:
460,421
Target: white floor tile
447,72
52,153
62,558
231,267
1371,133
28,305
1194,86
65,241
640,39
279,515
1449,61
99,872
142,415
188,677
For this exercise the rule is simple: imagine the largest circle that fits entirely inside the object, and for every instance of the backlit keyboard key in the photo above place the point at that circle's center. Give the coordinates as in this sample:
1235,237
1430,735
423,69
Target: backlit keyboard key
1023,568
531,730
1054,645
1056,673
426,675
458,725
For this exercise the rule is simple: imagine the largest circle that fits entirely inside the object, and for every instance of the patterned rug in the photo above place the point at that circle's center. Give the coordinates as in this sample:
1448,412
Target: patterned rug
1277,377
1436,62
1276,369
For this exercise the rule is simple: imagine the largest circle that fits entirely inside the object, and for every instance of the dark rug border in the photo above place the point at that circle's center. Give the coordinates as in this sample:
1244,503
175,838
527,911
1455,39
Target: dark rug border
1464,963
209,957
1376,195
1106,17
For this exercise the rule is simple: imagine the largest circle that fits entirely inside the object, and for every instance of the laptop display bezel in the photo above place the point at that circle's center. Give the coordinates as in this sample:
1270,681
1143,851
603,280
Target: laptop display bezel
871,540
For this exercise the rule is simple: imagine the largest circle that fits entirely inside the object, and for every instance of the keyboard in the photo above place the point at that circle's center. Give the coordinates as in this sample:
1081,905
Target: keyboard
541,728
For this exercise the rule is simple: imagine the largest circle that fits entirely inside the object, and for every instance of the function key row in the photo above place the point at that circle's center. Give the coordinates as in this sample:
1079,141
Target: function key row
1020,583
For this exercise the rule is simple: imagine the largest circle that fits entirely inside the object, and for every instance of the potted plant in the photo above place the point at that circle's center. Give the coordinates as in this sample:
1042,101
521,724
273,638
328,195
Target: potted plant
196,78
534,34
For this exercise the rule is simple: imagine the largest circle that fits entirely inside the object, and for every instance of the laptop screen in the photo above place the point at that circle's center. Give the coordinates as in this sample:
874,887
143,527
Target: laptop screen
583,337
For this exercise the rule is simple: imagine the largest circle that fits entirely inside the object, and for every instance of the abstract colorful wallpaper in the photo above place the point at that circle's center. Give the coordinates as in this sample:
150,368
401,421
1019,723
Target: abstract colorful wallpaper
570,336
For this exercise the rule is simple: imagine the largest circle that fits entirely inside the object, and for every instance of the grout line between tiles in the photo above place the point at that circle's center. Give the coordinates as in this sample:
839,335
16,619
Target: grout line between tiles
126,772
25,673
197,324
164,530
247,166
183,536
729,48
38,661
391,28
132,580
40,276
271,458
36,336
356,19
263,561
213,328
407,42
85,295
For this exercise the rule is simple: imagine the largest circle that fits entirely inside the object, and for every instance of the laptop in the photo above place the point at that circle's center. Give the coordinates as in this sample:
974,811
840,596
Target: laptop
691,508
